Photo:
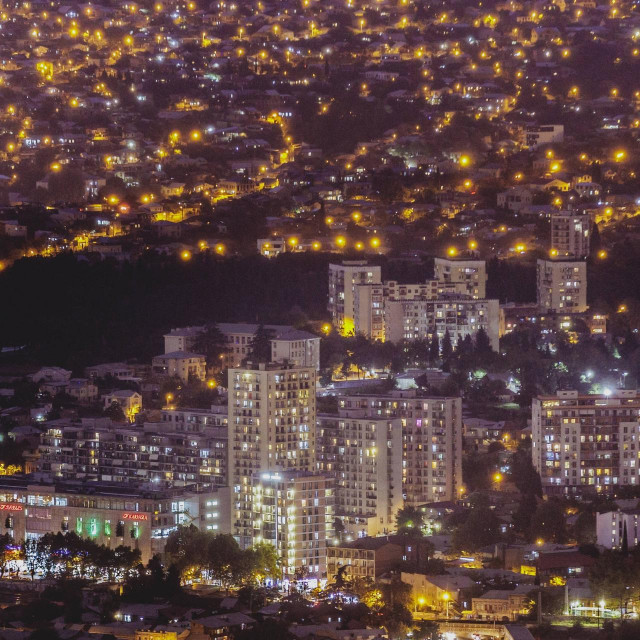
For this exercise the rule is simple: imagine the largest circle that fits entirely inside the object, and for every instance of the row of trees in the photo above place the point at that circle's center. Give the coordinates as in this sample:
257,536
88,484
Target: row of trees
68,555
197,553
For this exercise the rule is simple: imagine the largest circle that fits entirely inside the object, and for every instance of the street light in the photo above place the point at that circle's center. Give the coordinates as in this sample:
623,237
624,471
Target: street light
446,597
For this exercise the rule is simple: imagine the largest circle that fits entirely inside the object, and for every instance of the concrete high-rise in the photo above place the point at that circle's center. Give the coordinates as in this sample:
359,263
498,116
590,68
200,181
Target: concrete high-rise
343,278
272,420
570,234
562,285
431,430
364,455
583,443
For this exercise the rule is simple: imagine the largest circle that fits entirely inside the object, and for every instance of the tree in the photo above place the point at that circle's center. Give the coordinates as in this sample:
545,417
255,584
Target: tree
260,347
211,343
409,519
548,522
482,345
480,529
522,516
434,348
447,348
224,560
115,412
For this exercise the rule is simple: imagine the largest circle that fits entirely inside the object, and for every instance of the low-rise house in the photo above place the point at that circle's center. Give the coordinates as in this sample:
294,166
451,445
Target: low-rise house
129,401
502,605
180,364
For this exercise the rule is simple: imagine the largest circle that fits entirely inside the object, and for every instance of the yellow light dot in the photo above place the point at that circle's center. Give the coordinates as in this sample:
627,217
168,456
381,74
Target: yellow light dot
553,253
452,251
212,384
293,242
326,328
473,244
316,246
341,241
359,246
602,254
622,308
220,248
195,135
186,255
375,242
465,161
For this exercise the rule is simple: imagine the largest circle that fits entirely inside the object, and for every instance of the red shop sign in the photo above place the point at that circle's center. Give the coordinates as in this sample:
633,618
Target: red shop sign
135,516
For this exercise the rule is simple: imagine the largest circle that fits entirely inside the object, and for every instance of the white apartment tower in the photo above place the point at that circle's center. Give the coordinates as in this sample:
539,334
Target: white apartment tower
343,278
570,234
364,455
459,316
431,440
469,276
583,443
294,511
272,419
562,285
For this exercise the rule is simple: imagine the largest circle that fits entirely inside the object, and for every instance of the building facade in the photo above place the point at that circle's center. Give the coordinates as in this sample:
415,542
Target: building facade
364,455
288,344
111,515
343,278
562,286
570,234
469,274
431,440
159,453
586,443
294,511
457,316
610,528
272,421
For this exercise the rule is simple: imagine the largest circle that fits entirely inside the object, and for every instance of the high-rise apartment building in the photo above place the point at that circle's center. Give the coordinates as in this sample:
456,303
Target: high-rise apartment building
470,274
431,440
570,234
584,443
562,285
454,302
458,316
272,420
294,511
343,278
364,455
175,452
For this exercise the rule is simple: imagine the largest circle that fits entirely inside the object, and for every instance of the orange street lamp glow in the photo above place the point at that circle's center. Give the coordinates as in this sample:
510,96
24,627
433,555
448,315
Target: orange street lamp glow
316,246
497,477
341,241
293,242
620,155
375,242
326,328
473,245
186,255
212,384
622,308
465,161
219,248
359,246
553,253
602,254
452,252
